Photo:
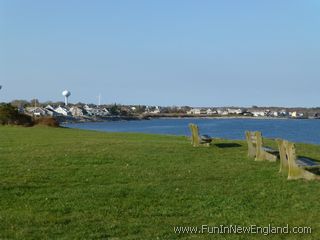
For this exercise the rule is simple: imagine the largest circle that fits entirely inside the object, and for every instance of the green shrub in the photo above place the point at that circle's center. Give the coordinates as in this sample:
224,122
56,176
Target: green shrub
47,121
10,115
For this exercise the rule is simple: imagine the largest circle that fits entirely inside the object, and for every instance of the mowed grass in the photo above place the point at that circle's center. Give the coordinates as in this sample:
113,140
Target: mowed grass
74,184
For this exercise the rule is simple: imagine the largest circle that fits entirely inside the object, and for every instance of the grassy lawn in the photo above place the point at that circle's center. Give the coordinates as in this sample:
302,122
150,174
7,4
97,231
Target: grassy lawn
74,184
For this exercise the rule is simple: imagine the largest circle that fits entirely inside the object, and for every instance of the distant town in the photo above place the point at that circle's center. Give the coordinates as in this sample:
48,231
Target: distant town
79,112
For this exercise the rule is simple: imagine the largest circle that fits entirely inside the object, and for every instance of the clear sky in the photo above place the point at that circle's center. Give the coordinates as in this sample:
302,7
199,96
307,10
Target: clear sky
162,52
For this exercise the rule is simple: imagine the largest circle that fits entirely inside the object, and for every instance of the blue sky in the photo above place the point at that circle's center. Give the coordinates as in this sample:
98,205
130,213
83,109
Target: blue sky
168,52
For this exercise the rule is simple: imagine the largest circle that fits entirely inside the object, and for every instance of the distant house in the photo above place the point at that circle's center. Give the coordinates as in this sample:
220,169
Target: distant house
209,111
258,113
267,112
49,107
283,113
156,110
222,112
102,112
147,109
76,111
86,107
219,111
248,114
194,111
293,114
62,111
106,112
51,111
36,111
89,110
203,111
235,111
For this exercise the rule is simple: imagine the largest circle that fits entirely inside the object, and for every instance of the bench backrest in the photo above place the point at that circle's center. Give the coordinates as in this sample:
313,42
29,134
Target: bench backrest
296,172
255,142
294,169
282,145
252,137
195,139
288,157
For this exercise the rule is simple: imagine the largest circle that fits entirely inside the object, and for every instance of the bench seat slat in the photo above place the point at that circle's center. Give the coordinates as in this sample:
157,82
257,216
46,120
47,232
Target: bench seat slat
270,150
307,163
206,138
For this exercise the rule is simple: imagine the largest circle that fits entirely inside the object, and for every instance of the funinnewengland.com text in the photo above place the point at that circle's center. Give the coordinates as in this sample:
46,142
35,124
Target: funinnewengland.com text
237,229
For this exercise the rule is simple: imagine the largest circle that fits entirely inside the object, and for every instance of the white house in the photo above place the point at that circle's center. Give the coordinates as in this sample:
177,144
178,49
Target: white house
222,112
258,113
51,111
194,111
106,111
87,108
235,111
101,112
209,111
293,114
76,111
62,111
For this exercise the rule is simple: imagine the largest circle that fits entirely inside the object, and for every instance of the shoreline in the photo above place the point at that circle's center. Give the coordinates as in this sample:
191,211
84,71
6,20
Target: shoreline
74,120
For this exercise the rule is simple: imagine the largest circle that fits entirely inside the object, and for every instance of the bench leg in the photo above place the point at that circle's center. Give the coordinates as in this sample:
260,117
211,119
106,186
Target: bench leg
295,172
199,143
263,155
251,152
205,144
283,166
299,173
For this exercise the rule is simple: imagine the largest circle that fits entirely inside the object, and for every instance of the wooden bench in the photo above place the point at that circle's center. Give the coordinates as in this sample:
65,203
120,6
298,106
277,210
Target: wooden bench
196,139
257,150
297,167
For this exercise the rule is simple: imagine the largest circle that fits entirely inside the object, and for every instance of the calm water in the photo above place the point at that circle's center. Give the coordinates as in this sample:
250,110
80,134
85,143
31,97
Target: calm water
307,131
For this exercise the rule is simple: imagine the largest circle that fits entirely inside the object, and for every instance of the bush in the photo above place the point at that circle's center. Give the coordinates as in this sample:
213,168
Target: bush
10,115
47,121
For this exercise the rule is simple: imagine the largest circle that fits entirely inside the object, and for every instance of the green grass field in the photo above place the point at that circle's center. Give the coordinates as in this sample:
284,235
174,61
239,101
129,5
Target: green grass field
74,184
